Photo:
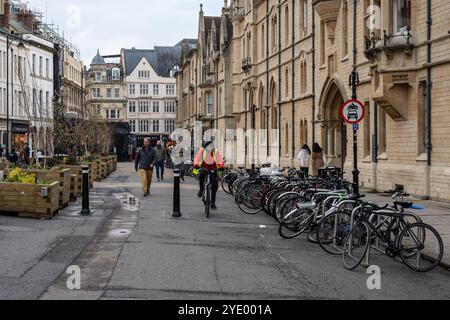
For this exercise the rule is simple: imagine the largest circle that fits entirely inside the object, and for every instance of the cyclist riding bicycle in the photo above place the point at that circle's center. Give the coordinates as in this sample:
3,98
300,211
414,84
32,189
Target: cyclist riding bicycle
210,159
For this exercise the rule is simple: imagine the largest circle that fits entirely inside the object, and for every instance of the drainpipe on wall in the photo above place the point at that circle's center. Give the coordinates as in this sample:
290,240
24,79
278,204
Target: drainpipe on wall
293,82
267,76
429,85
279,81
313,117
375,148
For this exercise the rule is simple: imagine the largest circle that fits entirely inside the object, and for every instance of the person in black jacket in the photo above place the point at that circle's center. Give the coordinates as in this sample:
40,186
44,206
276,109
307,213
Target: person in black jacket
12,157
144,164
27,154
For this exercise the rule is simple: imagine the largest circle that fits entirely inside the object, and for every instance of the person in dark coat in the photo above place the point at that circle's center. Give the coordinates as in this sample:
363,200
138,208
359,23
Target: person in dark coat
144,164
26,154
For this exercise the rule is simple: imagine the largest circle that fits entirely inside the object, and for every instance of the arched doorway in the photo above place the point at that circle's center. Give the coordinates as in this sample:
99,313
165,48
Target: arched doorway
333,129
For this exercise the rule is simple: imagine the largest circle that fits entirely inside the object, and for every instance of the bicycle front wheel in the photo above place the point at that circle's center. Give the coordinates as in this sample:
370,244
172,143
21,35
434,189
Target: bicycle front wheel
250,200
356,245
295,223
332,231
420,247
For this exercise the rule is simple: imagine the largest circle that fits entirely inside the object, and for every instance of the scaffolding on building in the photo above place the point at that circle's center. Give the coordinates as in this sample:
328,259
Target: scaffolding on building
47,31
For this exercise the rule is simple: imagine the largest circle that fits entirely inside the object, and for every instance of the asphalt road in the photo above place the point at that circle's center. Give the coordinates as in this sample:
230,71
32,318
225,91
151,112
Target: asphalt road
229,256
138,251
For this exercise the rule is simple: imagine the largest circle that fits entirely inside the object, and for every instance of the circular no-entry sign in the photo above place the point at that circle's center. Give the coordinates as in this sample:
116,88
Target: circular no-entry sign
353,111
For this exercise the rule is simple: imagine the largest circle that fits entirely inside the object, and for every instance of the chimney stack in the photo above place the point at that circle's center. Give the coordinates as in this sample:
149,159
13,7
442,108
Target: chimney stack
26,18
5,18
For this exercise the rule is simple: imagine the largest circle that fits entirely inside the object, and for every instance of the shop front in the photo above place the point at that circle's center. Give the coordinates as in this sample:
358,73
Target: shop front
19,135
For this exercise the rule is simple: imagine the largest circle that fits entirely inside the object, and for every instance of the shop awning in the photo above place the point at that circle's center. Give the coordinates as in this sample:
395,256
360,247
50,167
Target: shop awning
19,128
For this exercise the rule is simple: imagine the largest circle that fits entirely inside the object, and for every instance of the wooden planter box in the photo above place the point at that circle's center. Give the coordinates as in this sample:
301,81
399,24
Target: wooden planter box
77,181
103,169
26,200
95,170
109,165
114,162
60,176
74,187
4,166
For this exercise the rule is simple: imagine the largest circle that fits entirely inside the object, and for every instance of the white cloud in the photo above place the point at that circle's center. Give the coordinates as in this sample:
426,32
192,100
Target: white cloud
112,24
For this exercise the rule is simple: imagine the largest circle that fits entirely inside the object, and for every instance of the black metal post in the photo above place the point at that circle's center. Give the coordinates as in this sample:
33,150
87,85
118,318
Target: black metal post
354,82
176,213
8,134
253,135
85,209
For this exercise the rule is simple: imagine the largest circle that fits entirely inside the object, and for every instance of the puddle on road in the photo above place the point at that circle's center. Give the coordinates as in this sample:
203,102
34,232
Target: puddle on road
128,201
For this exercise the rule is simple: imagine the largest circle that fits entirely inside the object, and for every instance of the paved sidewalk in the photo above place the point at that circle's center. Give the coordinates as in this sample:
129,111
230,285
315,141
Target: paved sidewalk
35,252
437,214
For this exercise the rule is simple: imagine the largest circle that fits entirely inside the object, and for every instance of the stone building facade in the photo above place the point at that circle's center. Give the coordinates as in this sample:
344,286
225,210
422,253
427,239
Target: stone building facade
205,79
291,65
73,80
106,89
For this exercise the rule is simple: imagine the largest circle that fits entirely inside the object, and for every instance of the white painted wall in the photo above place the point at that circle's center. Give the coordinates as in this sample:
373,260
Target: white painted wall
21,92
153,79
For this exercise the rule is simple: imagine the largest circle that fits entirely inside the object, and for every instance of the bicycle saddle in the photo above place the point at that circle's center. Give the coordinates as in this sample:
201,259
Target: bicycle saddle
375,206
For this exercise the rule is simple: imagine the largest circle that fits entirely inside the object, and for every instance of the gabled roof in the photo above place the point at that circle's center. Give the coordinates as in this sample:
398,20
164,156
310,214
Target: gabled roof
162,59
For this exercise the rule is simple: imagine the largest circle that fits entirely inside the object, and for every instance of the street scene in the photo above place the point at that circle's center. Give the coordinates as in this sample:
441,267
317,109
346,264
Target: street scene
236,150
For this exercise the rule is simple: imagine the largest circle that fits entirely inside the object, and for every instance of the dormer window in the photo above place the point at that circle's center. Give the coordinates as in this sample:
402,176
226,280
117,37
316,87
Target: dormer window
174,70
116,74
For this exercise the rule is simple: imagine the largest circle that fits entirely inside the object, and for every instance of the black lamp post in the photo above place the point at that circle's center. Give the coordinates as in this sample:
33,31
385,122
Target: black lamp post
354,81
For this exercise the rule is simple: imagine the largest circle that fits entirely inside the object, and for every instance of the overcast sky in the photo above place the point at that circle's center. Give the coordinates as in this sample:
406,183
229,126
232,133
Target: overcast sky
114,24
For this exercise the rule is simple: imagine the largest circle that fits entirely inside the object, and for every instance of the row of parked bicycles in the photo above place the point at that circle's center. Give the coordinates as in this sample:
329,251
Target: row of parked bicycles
331,215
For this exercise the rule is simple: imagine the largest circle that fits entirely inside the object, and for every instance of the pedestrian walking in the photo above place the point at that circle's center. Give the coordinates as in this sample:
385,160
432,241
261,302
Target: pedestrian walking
144,164
26,154
305,160
161,156
1,151
318,159
12,157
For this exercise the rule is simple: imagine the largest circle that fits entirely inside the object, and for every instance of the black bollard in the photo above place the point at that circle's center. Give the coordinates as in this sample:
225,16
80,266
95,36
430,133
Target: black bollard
85,209
176,194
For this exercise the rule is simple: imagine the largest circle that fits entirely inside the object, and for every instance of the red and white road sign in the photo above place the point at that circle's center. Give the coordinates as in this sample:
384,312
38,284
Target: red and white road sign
353,112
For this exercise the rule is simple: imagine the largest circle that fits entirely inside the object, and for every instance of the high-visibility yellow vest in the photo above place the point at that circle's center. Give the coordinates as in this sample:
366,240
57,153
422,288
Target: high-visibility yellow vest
196,171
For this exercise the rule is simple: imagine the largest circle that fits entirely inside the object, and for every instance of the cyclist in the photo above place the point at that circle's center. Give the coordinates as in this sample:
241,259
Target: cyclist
208,158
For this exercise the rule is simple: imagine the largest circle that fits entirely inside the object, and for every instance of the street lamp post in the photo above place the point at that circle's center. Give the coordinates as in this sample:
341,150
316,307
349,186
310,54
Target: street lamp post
354,81
9,41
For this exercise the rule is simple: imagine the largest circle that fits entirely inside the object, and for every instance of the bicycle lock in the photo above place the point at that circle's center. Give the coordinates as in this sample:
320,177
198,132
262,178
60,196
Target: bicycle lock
176,213
85,203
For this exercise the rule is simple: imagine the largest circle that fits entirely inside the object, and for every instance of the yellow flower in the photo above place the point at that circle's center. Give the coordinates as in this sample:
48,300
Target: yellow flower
18,176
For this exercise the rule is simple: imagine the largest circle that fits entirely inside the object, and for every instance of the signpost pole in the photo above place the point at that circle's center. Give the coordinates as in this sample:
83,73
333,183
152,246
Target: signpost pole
354,82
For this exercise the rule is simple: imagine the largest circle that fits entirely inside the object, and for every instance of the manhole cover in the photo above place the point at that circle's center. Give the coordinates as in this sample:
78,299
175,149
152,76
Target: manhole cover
119,232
